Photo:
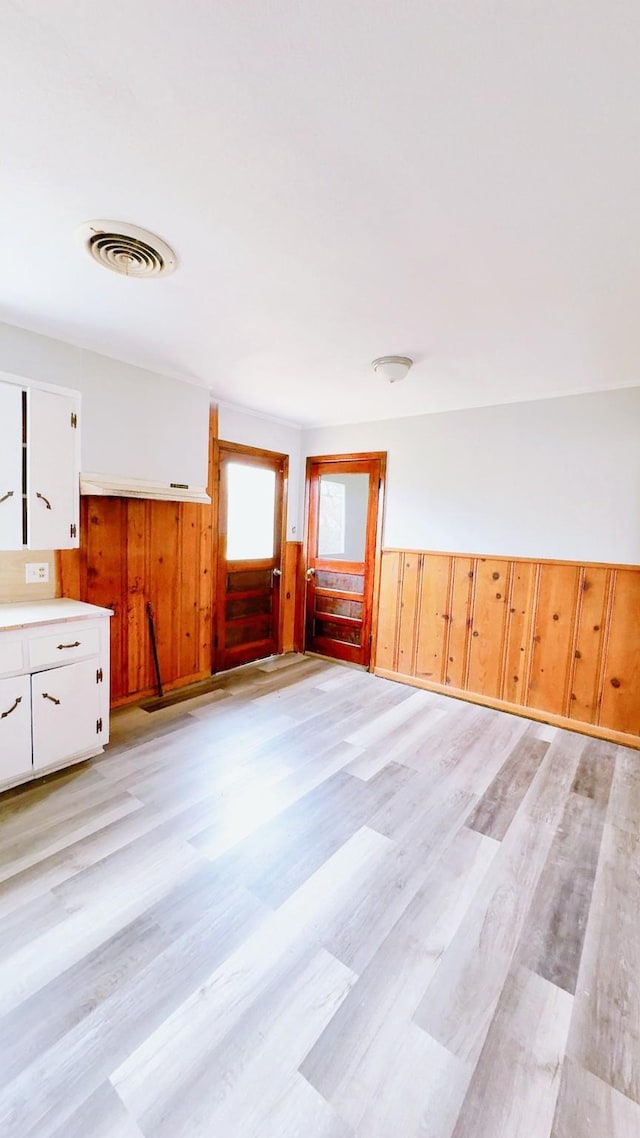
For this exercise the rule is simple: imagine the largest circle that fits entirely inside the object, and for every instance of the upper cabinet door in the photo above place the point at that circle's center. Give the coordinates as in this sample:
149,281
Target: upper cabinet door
53,470
11,535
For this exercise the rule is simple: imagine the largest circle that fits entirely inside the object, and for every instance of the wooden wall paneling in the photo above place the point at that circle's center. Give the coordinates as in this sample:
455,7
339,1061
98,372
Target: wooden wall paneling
164,588
620,703
488,626
139,670
106,577
553,638
389,610
459,621
593,602
191,518
292,556
210,548
407,634
434,615
521,607
556,640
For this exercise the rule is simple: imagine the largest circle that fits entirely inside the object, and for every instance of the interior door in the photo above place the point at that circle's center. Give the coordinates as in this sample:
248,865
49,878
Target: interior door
251,505
344,495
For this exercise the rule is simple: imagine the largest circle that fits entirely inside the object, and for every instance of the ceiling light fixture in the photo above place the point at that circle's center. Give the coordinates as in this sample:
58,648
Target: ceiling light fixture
392,368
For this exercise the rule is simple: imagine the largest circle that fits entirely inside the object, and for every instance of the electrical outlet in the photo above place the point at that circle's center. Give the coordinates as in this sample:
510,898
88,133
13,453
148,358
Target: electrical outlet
36,572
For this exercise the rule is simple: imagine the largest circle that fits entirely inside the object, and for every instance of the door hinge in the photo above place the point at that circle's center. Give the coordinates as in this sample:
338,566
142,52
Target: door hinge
98,726
74,419
99,676
73,532
379,484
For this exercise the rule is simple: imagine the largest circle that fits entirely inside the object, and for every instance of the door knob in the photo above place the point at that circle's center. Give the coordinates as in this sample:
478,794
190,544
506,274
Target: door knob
309,574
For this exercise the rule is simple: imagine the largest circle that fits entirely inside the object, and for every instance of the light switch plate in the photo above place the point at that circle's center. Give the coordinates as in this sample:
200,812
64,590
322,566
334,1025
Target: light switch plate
36,572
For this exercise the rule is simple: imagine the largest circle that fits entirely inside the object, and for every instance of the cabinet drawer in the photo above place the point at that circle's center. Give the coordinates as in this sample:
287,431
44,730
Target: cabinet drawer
11,656
15,728
70,642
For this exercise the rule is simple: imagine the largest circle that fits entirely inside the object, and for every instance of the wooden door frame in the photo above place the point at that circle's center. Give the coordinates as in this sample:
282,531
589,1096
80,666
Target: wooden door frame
365,456
220,447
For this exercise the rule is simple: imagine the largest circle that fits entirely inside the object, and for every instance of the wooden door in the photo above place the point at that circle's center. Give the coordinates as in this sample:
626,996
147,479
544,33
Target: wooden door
344,524
251,511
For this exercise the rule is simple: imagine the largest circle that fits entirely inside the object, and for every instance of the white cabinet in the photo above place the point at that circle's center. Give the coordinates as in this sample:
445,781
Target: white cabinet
11,536
66,713
39,467
15,729
54,686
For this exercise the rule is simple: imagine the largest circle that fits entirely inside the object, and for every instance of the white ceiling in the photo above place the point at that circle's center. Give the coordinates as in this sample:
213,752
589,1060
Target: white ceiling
457,181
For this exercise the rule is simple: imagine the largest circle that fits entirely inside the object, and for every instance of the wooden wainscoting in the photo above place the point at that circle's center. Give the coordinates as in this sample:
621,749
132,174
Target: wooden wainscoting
558,641
292,598
133,552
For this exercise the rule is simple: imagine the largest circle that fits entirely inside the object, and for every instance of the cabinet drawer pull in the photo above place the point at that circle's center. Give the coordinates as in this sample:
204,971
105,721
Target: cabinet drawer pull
76,644
5,713
45,695
9,494
43,499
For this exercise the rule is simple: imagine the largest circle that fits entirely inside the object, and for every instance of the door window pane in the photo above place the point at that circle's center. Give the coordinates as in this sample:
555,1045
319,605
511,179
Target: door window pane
251,499
342,516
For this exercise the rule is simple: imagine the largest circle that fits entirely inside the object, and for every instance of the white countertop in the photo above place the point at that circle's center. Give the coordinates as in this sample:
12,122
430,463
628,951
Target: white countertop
24,614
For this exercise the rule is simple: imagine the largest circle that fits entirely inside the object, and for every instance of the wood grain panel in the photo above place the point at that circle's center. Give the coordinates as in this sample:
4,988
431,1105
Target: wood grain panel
551,639
595,588
620,694
104,529
459,630
139,666
292,614
433,618
488,626
524,582
388,611
411,573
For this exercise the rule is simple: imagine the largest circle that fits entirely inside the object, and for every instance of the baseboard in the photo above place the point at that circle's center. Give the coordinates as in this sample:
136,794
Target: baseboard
591,729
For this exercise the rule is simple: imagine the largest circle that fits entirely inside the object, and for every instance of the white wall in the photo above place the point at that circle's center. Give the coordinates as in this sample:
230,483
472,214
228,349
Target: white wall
556,478
135,423
253,430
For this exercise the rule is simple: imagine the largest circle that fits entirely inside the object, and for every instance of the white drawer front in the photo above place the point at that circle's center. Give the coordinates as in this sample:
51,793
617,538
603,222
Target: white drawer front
15,728
11,656
65,713
68,643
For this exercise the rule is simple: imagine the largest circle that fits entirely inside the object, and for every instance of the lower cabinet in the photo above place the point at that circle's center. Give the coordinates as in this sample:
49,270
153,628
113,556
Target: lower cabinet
66,713
15,728
54,687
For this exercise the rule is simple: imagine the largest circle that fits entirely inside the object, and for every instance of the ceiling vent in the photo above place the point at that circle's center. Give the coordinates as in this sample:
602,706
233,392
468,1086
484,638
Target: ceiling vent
127,249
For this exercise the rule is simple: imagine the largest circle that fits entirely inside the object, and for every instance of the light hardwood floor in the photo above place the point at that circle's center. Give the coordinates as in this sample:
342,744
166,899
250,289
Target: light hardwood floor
317,903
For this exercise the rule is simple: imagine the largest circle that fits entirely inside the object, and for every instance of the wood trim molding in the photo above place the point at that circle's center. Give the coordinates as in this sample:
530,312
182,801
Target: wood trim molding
505,557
